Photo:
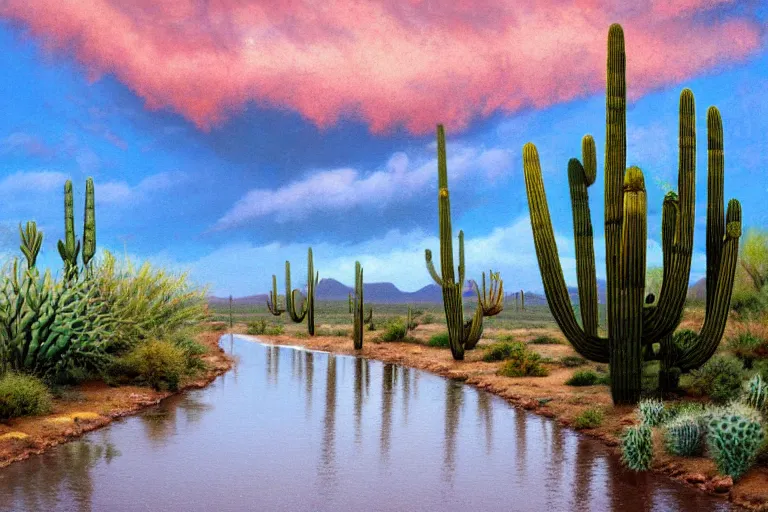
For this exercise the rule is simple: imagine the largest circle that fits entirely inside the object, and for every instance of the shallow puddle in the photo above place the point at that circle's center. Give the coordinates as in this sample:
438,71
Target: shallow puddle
294,430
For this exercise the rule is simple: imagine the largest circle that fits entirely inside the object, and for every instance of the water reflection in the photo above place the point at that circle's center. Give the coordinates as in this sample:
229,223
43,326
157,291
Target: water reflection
444,446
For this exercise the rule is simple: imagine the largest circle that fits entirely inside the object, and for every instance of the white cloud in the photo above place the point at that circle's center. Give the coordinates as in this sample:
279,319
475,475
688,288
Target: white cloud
346,188
33,182
121,193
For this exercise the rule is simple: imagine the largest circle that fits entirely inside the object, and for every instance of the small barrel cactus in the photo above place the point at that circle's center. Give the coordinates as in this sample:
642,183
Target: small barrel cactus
734,438
755,393
684,436
637,448
651,412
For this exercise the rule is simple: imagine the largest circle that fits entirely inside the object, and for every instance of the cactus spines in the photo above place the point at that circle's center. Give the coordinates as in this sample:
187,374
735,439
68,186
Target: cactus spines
272,299
462,336
357,305
756,393
634,326
31,241
651,412
70,248
683,436
89,224
637,448
734,437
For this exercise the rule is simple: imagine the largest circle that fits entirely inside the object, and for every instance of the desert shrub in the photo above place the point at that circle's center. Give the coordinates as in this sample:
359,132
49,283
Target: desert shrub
545,340
500,351
651,412
572,361
257,327
583,378
720,378
427,318
522,362
683,435
735,435
439,340
591,418
395,331
23,395
748,346
637,448
749,302
158,363
217,326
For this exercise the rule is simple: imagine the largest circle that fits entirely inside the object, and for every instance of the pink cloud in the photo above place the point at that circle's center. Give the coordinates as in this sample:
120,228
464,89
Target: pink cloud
386,62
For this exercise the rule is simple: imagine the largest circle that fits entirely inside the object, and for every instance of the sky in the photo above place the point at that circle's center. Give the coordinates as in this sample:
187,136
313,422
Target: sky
227,136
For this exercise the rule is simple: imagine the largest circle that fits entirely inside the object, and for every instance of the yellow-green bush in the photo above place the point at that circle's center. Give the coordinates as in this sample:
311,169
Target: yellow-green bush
23,395
158,363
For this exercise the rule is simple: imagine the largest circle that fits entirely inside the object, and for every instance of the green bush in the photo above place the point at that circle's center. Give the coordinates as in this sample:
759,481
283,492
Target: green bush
257,327
427,319
637,448
572,361
748,346
720,378
522,362
395,331
500,351
439,340
545,340
583,378
23,395
158,363
591,418
748,302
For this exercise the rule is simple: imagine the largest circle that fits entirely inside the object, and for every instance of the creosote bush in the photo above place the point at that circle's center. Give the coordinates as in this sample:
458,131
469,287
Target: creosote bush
586,378
522,362
545,340
500,351
395,331
749,345
720,379
591,418
23,395
439,340
158,363
572,361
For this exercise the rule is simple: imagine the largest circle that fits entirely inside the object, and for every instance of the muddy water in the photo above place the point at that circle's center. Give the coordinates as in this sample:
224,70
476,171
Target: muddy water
292,430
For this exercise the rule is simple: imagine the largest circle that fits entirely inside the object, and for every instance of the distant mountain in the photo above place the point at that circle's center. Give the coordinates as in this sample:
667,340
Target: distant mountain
250,300
698,291
602,294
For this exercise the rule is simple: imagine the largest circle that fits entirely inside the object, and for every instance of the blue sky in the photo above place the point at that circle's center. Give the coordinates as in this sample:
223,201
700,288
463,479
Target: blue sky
230,203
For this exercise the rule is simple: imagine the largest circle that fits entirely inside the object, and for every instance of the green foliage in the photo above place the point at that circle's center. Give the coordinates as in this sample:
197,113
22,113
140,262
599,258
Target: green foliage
753,258
522,362
158,363
683,435
395,331
427,318
500,351
677,409
735,435
439,340
720,379
651,412
748,346
756,393
591,418
256,327
583,378
572,361
748,302
637,448
545,340
23,395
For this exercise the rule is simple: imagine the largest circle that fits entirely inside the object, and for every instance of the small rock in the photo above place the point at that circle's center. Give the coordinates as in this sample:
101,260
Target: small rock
695,478
721,485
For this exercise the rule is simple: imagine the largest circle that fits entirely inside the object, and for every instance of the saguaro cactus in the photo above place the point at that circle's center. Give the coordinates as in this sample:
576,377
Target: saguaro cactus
89,224
462,336
633,327
272,300
70,248
357,307
308,308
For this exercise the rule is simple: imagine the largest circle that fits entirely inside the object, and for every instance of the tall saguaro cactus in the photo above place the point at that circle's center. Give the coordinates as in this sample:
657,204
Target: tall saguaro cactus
272,299
357,308
308,308
70,248
462,336
634,326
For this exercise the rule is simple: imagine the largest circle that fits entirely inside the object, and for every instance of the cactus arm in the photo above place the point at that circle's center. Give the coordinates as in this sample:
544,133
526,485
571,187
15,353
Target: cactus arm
462,271
473,330
715,179
491,303
585,250
89,224
714,323
626,349
431,268
615,166
591,347
674,289
272,299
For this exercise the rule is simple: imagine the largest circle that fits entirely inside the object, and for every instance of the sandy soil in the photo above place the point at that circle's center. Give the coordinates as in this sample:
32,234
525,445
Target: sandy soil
93,405
563,403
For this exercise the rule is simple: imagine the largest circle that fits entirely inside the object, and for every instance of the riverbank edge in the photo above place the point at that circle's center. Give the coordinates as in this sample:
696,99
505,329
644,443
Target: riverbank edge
110,403
751,492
